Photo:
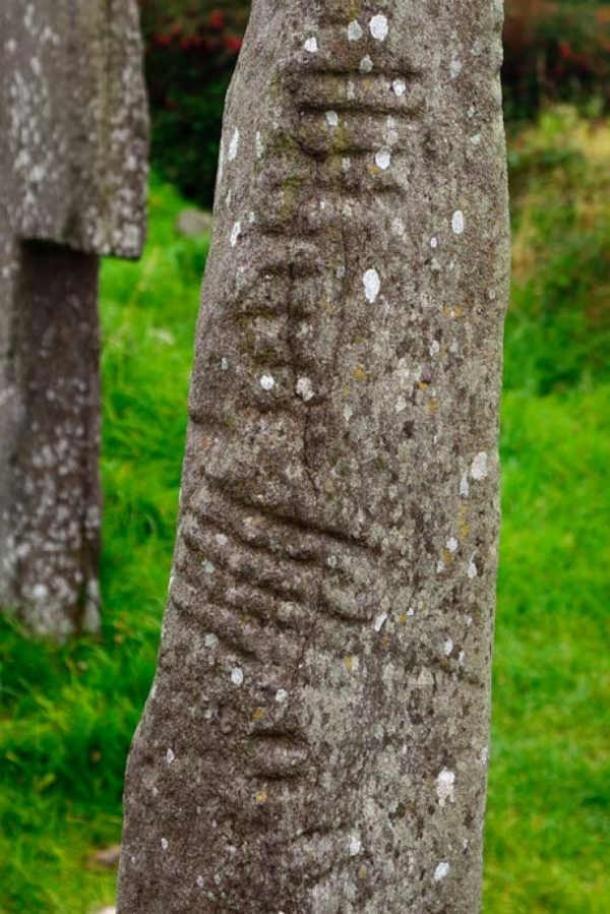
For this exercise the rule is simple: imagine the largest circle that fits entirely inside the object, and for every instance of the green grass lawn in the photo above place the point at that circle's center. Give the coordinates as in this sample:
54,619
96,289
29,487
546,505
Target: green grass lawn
68,712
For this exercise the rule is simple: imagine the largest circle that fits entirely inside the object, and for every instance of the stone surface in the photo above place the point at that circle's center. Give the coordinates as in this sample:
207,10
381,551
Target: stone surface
73,156
49,433
107,856
316,738
74,123
194,222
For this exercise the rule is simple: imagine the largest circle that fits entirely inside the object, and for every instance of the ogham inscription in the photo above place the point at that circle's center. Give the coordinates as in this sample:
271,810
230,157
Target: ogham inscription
316,736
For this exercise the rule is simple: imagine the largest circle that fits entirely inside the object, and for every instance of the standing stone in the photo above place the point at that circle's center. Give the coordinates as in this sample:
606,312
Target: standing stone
73,152
316,738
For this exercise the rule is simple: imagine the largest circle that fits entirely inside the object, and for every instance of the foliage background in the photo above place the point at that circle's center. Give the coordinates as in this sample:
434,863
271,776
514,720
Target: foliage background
67,713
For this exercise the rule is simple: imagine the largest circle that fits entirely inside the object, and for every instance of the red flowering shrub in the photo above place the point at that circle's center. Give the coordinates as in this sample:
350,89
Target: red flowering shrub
191,49
555,50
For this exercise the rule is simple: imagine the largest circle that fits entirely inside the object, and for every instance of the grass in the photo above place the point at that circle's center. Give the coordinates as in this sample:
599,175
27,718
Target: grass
68,712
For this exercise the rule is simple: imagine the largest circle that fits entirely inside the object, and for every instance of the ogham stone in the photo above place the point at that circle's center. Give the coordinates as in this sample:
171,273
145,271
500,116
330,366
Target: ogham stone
315,741
73,154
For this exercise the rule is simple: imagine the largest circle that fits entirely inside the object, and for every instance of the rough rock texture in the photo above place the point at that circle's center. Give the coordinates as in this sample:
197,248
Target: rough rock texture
316,738
74,123
73,154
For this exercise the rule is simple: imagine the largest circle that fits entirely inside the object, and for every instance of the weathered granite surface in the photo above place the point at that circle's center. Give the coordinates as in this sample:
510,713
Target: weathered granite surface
316,738
73,160
74,123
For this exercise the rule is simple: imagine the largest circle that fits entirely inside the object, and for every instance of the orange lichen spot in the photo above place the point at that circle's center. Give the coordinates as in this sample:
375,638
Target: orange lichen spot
453,313
432,406
259,714
261,797
463,525
359,374
349,663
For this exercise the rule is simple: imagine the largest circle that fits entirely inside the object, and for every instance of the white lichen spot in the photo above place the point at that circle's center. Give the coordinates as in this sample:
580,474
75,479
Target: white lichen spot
281,696
441,871
445,786
447,647
234,145
400,405
354,31
221,539
472,571
372,285
390,133
455,68
332,118
200,882
452,544
435,348
346,164
259,145
434,243
211,640
380,621
224,364
311,45
40,592
305,389
237,676
476,139
379,27
366,64
355,845
399,87
457,222
235,233
484,756
398,227
479,469
267,382
208,567
464,486
169,756
164,844
383,159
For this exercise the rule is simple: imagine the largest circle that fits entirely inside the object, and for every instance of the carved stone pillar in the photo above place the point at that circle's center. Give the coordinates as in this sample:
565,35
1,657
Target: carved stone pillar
316,738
